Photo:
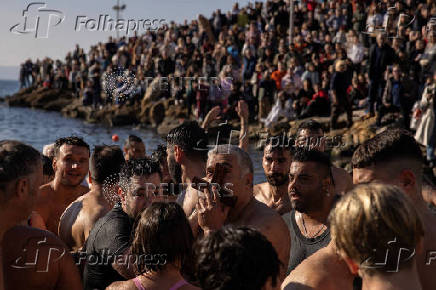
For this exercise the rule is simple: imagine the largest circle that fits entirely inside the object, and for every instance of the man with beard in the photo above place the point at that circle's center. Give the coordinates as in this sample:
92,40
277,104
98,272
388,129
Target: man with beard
215,210
70,163
134,148
311,135
312,197
187,155
108,244
276,162
20,179
81,215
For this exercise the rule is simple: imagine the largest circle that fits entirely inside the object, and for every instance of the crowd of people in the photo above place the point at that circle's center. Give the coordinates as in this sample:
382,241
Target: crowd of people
188,216
344,55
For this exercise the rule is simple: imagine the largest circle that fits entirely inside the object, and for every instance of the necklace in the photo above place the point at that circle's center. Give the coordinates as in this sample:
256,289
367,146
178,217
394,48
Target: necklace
305,230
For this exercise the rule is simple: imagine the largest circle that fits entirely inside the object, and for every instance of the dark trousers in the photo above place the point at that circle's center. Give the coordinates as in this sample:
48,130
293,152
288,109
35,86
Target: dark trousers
343,105
374,92
404,110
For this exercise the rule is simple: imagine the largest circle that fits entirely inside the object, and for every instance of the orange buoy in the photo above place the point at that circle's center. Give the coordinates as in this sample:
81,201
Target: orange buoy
115,138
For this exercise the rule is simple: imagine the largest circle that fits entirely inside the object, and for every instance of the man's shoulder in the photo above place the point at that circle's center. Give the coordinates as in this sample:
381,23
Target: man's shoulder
320,271
264,218
259,189
111,222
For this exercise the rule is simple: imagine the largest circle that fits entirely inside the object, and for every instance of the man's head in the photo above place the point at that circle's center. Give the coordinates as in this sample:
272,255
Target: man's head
160,155
139,181
236,258
238,170
105,165
341,66
277,160
186,143
47,167
310,135
20,177
71,160
392,157
380,39
371,219
310,180
134,148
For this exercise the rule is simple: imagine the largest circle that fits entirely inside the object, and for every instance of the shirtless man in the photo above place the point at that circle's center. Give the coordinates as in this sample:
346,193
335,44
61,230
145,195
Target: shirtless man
276,162
310,133
392,157
81,215
20,179
187,155
134,148
71,163
213,214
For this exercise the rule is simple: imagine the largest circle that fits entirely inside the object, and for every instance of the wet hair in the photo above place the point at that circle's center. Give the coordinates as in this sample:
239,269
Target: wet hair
16,161
390,145
72,140
137,167
244,159
106,162
47,166
131,139
236,258
191,138
310,125
367,219
304,154
162,236
160,154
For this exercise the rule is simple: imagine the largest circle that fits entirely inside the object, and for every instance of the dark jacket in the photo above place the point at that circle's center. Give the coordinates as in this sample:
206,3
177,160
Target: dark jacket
388,98
387,58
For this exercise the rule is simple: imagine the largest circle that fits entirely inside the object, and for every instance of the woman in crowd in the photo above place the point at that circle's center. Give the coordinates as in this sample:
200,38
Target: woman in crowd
162,245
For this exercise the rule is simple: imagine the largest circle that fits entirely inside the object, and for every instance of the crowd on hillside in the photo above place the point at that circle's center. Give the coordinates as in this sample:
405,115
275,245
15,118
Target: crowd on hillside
344,55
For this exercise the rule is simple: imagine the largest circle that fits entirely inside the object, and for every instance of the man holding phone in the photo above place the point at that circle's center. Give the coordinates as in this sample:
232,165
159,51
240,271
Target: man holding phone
213,210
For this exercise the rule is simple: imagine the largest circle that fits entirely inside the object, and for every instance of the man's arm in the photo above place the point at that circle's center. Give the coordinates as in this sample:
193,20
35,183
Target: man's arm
243,114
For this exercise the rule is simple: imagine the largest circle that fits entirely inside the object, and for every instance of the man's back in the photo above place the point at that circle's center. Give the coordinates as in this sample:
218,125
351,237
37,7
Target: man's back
37,259
108,239
270,224
80,216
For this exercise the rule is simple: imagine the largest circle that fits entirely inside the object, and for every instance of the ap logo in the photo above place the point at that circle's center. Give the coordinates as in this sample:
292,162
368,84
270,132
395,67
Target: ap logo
38,19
